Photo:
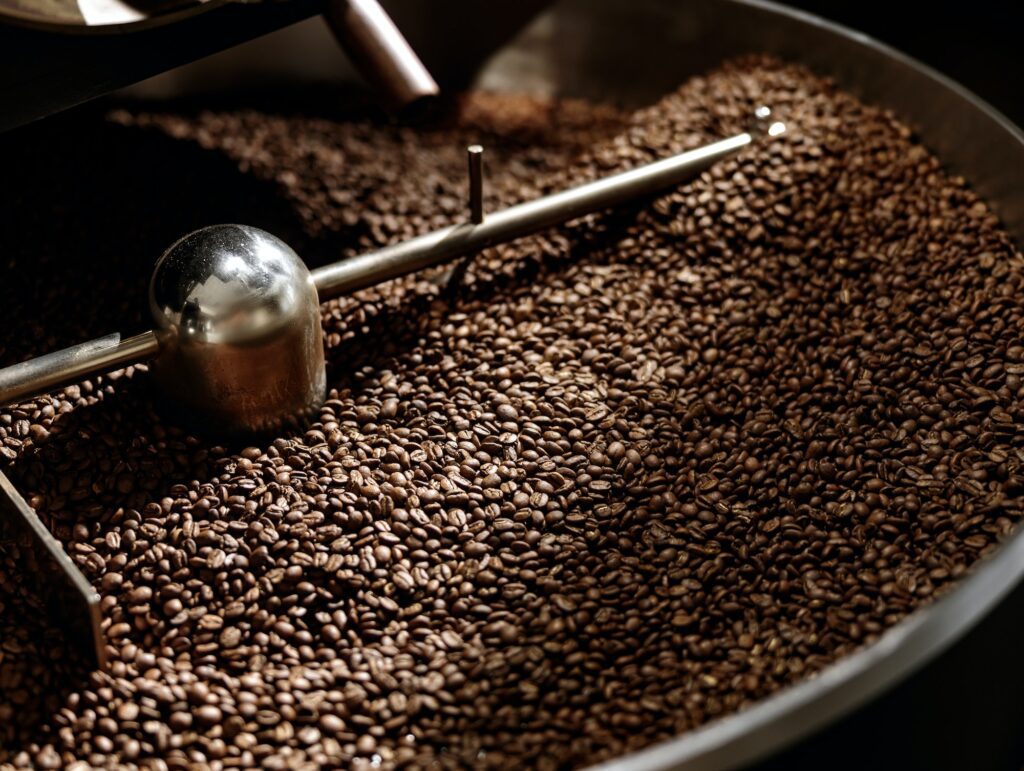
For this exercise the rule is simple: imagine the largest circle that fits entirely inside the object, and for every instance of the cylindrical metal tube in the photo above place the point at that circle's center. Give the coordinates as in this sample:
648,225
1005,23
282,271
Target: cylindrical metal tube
518,221
475,158
380,51
72,365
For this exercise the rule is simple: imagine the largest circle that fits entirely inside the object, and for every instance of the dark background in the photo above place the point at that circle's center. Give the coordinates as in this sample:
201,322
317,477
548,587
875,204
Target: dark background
978,43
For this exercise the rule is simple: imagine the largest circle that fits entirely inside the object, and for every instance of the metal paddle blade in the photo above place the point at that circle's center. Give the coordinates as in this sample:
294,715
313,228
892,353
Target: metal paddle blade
70,600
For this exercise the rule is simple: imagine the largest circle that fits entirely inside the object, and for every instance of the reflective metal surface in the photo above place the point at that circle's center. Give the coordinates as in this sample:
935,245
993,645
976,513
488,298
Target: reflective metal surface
475,162
99,15
380,51
72,365
238,321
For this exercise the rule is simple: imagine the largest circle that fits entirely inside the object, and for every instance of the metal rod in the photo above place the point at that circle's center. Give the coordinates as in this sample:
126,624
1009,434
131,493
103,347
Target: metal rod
526,218
72,365
380,51
475,157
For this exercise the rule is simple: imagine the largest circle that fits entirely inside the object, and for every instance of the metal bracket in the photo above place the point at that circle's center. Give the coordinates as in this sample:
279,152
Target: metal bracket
71,601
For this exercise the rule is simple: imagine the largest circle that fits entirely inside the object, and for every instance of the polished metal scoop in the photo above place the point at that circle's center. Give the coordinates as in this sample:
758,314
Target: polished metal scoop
237,346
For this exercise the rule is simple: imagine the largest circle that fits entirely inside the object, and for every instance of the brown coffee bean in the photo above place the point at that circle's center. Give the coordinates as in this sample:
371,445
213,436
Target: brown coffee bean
208,714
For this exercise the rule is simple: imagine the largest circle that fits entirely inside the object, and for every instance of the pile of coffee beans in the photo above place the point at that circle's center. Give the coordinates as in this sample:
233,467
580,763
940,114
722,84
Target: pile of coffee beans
585,493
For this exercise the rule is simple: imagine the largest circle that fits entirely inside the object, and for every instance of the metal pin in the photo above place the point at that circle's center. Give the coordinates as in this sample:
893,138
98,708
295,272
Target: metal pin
475,156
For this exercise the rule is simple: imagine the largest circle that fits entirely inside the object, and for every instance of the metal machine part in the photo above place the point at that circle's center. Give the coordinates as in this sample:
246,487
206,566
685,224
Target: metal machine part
51,574
42,73
370,38
238,331
238,344
380,52
81,15
475,159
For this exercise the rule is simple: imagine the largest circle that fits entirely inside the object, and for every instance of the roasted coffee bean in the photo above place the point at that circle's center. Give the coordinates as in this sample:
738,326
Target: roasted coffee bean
587,492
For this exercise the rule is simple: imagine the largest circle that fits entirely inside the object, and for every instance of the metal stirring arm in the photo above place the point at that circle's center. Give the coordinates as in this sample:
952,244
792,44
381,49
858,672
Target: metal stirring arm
522,220
71,365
